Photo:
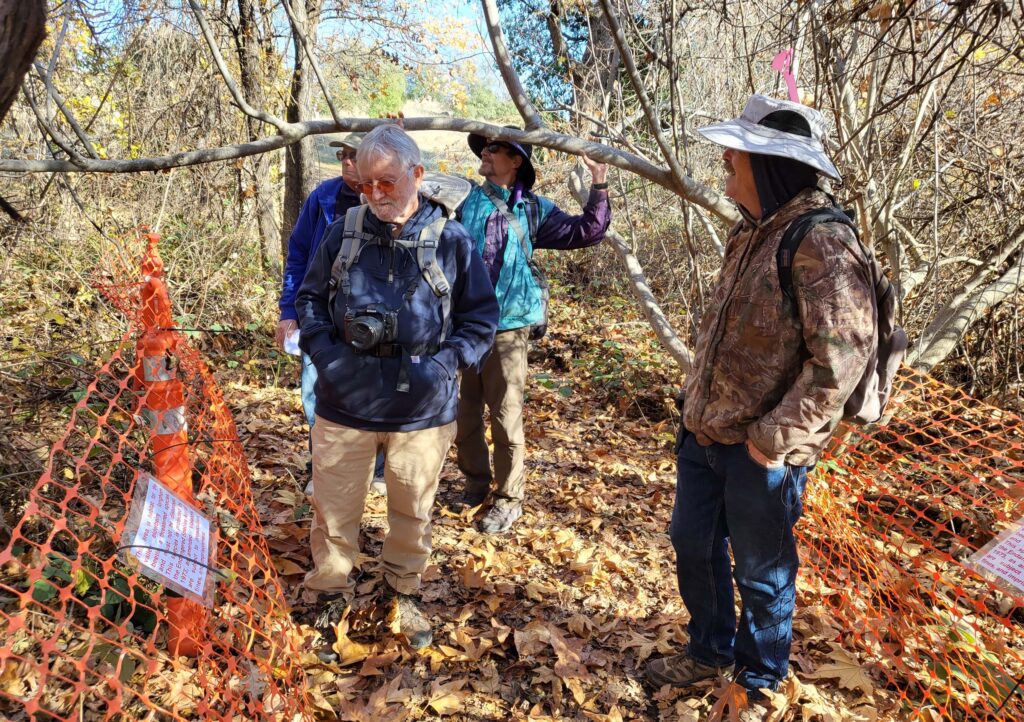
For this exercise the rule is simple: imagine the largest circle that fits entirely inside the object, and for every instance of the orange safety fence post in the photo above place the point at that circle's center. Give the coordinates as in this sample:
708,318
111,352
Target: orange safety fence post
84,635
162,406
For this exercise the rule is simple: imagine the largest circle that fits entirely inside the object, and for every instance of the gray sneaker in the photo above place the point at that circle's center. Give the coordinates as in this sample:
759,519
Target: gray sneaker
500,517
682,670
378,487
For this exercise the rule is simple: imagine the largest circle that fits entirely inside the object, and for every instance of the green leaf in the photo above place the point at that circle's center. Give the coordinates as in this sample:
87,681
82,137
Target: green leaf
83,580
43,591
565,391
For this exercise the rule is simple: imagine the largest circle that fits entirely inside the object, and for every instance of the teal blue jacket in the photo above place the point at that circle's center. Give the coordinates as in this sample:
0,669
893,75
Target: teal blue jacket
519,295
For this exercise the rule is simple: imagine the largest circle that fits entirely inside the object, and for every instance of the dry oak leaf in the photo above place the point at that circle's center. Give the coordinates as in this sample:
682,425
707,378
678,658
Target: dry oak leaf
845,669
732,696
447,698
531,639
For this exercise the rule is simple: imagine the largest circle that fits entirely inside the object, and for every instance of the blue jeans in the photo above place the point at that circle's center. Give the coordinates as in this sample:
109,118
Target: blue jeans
724,498
307,384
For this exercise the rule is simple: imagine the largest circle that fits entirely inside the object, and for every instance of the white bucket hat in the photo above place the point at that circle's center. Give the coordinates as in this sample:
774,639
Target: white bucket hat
782,139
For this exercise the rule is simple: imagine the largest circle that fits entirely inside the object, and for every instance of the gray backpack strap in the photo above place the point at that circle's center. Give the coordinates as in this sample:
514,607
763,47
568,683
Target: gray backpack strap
352,239
426,258
499,203
503,209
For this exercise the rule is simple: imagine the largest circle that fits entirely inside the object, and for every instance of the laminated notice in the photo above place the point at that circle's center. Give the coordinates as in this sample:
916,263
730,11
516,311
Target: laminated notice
174,543
1003,558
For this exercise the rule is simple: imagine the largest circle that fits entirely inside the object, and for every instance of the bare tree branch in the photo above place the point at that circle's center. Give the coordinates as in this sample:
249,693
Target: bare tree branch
694,192
688,188
68,115
283,127
638,283
944,338
508,74
301,36
978,295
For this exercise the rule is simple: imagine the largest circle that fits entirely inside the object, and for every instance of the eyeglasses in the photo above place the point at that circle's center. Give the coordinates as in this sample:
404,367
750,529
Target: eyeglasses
494,146
385,186
345,154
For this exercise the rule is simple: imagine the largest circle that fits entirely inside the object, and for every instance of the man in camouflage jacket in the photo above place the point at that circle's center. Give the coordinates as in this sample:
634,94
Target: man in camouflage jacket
765,393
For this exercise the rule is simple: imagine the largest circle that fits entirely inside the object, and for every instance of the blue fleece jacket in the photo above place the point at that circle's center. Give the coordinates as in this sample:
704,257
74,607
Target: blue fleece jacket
328,200
359,390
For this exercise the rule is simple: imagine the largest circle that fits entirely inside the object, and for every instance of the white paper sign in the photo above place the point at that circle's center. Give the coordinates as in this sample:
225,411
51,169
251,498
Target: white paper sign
172,539
1003,557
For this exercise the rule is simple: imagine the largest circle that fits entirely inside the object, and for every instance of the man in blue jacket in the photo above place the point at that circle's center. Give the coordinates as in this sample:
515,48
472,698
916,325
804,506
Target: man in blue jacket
388,335
328,201
508,222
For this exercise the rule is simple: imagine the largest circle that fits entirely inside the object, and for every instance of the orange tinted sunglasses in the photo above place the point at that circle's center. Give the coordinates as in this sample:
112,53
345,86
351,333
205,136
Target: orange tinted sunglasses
385,186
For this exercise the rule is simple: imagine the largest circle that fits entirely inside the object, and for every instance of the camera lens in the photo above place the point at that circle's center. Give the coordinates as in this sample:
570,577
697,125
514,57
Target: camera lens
366,332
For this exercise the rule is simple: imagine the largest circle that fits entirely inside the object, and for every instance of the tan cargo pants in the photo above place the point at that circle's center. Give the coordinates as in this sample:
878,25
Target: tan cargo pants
500,384
343,460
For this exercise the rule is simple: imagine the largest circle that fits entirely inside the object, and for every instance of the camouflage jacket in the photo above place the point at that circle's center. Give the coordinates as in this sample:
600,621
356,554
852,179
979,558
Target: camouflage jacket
771,370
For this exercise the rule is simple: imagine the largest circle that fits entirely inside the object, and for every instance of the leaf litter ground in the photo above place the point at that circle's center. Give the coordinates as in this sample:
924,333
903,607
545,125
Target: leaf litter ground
555,619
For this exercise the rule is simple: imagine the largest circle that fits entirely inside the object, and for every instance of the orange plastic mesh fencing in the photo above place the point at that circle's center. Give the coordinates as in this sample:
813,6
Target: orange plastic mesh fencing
83,636
893,515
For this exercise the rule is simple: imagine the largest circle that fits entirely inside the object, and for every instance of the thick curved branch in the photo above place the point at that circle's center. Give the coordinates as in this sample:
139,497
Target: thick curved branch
508,74
945,339
641,289
229,81
693,192
22,29
978,295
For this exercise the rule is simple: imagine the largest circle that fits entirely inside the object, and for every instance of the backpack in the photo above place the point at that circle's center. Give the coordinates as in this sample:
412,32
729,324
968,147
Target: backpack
867,402
447,191
532,209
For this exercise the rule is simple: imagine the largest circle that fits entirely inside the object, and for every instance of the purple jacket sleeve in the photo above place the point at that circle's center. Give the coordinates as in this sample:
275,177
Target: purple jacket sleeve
561,231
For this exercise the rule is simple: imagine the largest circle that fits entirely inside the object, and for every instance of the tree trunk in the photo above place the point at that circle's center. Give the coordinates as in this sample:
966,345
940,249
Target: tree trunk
300,164
22,29
254,78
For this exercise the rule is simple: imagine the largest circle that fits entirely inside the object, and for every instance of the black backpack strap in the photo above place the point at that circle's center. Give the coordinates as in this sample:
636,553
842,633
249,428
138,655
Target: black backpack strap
799,228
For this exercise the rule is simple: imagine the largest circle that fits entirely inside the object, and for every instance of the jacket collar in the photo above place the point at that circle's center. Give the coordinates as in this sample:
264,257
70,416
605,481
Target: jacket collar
805,200
422,216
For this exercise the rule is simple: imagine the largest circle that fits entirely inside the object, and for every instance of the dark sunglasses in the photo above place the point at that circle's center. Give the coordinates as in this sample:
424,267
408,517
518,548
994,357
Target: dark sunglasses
494,146
345,154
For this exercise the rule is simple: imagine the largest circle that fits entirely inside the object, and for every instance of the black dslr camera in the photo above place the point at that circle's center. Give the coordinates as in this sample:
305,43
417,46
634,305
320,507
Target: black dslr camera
366,328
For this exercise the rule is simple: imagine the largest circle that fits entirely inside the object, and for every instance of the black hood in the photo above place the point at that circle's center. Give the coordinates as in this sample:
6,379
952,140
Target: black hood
779,180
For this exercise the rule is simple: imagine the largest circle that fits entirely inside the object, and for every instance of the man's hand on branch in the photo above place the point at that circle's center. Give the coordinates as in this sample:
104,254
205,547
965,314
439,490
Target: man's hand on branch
396,118
598,171
284,329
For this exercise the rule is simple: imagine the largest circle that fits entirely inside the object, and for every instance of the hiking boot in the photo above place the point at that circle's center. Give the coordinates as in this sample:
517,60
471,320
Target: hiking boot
682,670
501,516
469,500
411,622
378,487
332,609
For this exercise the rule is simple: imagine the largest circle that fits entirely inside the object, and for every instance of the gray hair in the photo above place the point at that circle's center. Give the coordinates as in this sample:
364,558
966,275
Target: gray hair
389,141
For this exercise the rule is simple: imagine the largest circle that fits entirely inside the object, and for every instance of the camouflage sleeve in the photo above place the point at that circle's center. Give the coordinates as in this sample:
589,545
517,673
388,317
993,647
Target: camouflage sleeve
835,300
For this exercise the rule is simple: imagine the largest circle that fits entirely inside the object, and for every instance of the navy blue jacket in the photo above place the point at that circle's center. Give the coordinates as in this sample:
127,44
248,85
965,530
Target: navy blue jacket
328,201
359,390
